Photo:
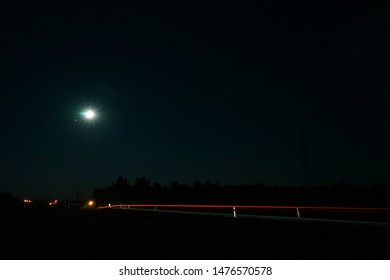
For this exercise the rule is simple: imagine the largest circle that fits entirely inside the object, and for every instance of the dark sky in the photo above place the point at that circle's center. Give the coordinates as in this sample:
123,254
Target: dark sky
192,91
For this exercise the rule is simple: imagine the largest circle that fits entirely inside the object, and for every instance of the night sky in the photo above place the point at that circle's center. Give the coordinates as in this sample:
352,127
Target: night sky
187,91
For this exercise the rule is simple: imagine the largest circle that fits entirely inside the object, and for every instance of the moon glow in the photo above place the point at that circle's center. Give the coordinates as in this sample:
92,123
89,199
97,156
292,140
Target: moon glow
89,114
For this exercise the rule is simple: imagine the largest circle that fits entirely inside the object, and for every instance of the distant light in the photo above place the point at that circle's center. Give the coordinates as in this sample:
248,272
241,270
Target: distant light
90,203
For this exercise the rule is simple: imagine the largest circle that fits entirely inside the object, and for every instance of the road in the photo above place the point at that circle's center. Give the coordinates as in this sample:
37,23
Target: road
116,234
272,218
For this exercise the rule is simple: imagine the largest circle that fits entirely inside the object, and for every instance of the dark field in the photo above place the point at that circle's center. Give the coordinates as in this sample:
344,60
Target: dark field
60,233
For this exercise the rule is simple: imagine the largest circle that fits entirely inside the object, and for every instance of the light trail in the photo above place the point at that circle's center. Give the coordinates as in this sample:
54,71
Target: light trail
207,206
173,208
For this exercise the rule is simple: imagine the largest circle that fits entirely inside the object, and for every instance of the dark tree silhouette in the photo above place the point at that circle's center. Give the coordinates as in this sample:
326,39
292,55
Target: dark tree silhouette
8,200
337,194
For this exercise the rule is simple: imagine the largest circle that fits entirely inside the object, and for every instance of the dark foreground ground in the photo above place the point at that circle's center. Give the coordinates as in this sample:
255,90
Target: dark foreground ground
43,233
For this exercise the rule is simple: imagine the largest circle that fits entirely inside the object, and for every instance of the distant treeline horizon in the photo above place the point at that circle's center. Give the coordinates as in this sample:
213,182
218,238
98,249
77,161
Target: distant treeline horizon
208,192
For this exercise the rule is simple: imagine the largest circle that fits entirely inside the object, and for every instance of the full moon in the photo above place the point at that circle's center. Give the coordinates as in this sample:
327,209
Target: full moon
89,114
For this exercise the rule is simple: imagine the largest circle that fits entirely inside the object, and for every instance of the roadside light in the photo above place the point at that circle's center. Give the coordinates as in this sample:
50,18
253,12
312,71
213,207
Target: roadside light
90,203
52,203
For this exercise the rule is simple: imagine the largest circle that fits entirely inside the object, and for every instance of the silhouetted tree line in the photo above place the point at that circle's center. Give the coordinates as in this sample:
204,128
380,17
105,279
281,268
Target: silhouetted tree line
337,194
7,199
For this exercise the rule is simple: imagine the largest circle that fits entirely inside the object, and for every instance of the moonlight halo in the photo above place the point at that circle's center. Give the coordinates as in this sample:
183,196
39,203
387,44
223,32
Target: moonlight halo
89,114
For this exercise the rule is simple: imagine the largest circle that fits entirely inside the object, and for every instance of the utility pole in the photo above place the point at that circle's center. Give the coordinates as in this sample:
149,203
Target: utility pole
306,180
